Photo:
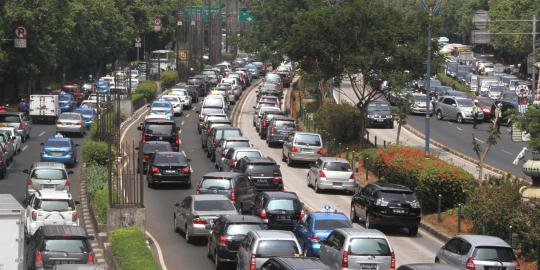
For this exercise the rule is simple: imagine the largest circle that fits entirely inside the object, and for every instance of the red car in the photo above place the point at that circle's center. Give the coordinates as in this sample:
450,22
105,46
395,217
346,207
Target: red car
485,104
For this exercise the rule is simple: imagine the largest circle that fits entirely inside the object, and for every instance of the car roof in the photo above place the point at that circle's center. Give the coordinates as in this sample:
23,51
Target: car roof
367,233
302,263
333,159
239,138
54,194
241,218
274,234
61,230
321,215
246,149
209,197
259,160
43,164
484,240
221,174
55,139
391,187
431,266
280,194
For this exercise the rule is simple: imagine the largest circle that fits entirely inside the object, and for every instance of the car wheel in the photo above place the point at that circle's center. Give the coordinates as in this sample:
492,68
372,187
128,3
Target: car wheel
175,225
439,115
437,260
316,186
289,161
217,263
187,236
353,216
368,222
307,181
283,158
208,253
459,118
413,231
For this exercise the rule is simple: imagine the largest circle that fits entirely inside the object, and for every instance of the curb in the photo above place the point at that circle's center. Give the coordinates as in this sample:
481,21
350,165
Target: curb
434,232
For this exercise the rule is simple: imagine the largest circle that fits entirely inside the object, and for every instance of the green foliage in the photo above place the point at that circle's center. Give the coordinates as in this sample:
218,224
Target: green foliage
96,178
148,89
169,78
448,81
529,122
227,57
129,248
100,203
93,130
341,121
137,98
95,152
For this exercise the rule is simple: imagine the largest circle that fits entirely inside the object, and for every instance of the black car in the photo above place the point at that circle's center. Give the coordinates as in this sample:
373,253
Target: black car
227,234
59,244
294,263
386,204
279,129
169,167
219,183
147,150
264,172
194,92
278,209
160,130
379,114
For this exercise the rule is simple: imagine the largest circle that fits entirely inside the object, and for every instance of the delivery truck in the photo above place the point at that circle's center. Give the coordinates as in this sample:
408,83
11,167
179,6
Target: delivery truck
12,242
44,108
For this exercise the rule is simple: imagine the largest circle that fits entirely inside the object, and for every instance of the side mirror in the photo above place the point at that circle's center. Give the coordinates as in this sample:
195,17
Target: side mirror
26,171
70,172
177,204
455,105
197,111
77,202
13,138
139,128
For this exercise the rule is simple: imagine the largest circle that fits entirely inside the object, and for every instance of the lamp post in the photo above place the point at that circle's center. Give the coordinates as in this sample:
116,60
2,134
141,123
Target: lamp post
431,7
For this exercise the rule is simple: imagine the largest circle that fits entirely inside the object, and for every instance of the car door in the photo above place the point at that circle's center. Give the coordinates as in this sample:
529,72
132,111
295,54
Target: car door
181,216
301,231
244,253
449,251
314,171
363,201
325,249
453,110
287,145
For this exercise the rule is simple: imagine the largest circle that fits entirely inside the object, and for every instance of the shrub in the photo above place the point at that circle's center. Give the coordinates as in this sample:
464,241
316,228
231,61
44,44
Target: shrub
100,203
95,152
168,78
449,81
93,130
341,121
137,98
227,57
96,178
130,250
148,89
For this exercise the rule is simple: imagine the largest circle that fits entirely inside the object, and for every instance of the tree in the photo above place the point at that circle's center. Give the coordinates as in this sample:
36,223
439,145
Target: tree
529,123
400,113
493,136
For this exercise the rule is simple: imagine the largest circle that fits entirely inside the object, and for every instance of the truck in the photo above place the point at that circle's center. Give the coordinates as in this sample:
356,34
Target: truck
44,107
12,241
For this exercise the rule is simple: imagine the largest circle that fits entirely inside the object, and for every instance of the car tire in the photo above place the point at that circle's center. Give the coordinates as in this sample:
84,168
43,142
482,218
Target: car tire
289,161
307,181
353,216
176,230
368,223
188,237
316,187
459,119
413,230
391,126
283,158
439,115
217,263
437,260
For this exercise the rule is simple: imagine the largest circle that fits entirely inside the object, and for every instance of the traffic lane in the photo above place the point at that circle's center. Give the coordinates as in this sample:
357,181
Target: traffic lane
459,137
419,249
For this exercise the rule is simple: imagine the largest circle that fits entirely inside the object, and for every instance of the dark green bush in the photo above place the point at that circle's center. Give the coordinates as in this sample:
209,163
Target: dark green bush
96,178
100,202
168,78
136,98
95,152
449,81
130,250
148,89
341,121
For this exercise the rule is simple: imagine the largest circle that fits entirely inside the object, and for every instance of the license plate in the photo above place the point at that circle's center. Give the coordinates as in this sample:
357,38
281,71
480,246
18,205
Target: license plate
284,217
261,181
170,171
56,153
48,186
380,120
400,211
370,266
337,183
307,150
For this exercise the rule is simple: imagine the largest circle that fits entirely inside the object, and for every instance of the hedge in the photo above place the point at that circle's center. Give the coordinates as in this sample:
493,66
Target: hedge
96,178
100,203
95,152
449,81
168,78
427,176
148,89
136,98
130,250
341,121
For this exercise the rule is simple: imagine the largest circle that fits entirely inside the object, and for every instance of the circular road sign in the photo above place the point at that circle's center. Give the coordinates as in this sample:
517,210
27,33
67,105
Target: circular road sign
138,39
20,32
522,90
157,21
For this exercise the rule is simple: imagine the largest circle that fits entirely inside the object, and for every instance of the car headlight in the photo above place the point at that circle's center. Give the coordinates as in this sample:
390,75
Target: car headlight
381,202
415,204
371,116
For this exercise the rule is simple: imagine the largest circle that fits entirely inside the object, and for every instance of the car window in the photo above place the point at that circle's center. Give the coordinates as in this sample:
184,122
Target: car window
283,123
452,245
49,174
369,247
57,144
502,254
263,168
160,129
65,245
216,183
396,196
337,166
282,204
70,116
241,154
230,144
170,158
214,102
160,147
277,248
9,119
378,106
231,133
465,103
171,99
332,224
160,105
308,139
213,205
243,229
56,205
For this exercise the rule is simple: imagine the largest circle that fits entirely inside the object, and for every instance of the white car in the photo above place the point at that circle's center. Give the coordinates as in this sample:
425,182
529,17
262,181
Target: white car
50,207
18,139
156,116
184,96
178,106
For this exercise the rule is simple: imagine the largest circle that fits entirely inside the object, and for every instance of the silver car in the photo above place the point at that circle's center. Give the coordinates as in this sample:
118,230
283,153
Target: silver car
259,246
257,118
184,96
7,144
331,173
350,248
302,147
71,123
224,145
17,139
19,121
235,154
47,175
196,214
456,108
418,104
477,252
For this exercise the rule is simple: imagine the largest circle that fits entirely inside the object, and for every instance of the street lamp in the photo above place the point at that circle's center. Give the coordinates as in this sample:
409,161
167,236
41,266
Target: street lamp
431,7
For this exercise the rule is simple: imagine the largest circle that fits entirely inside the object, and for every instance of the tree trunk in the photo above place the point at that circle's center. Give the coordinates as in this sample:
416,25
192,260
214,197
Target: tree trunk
480,169
398,132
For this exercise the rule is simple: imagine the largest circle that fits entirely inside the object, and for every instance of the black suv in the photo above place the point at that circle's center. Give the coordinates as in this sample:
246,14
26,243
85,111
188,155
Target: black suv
279,129
294,263
169,167
379,114
220,183
160,130
279,209
227,234
264,172
59,244
386,204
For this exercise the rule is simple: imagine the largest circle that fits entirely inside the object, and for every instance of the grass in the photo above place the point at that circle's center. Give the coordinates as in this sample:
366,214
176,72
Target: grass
101,204
130,250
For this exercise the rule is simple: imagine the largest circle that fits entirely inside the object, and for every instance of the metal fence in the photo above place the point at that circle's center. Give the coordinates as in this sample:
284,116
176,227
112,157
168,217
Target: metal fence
127,181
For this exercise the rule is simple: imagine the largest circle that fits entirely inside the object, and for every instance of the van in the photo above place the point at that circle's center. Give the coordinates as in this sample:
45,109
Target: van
44,108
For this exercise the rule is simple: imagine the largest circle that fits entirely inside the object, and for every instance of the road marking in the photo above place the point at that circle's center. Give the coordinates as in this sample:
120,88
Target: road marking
41,134
460,129
24,148
184,153
158,248
187,115
479,140
182,123
504,151
131,124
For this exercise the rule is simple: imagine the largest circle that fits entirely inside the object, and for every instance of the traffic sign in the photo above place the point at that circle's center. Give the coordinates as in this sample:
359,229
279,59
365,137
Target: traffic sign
188,10
20,37
138,39
183,55
245,15
157,24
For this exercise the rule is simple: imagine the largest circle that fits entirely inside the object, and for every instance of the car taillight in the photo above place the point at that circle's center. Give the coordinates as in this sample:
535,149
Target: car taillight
320,152
155,170
352,176
143,137
277,180
392,260
197,189
39,259
294,149
185,170
91,258
74,215
222,152
470,264
198,220
314,239
21,125
233,194
264,124
29,182
518,267
273,130
59,122
222,241
302,214
321,174
252,264
34,215
68,185
177,141
345,259
263,214
146,157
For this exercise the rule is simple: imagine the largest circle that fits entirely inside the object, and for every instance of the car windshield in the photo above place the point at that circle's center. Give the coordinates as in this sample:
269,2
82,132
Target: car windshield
397,196
502,254
56,205
308,139
230,133
65,245
85,111
70,116
161,105
160,147
180,93
212,111
57,144
337,166
160,129
231,144
273,79
282,204
49,174
369,247
170,158
216,117
9,119
486,102
277,248
243,229
464,102
214,205
212,183
332,224
372,107
213,102
284,123
241,154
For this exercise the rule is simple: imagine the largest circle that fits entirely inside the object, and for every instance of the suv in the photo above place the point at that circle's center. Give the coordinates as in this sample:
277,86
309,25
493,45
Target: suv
266,117
259,246
160,130
17,120
264,173
379,114
224,145
207,111
219,183
56,244
294,263
456,108
278,129
211,124
350,248
217,134
236,153
302,146
47,175
227,234
386,204
50,207
279,209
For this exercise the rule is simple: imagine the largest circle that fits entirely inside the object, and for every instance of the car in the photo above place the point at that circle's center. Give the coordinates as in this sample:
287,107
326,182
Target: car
193,91
17,139
214,101
331,173
278,209
227,234
50,207
278,129
485,104
3,165
266,117
316,226
350,248
236,88
69,122
169,167
7,145
161,108
210,124
55,245
59,149
302,147
219,183
17,120
294,263
67,102
275,79
427,266
236,153
379,114
257,118
456,108
207,111
215,135
471,251
226,89
197,213
263,172
259,246
160,130
146,152
261,105
89,115
418,104
178,107
198,86
386,204
184,96
224,145
47,175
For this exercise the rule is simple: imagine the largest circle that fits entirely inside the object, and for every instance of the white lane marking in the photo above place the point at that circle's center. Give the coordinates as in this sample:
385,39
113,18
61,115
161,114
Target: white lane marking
129,126
182,123
41,134
24,148
184,153
504,151
479,140
187,115
460,129
158,248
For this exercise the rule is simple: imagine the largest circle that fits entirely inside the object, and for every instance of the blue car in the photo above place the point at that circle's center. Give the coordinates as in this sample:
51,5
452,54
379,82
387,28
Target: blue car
102,87
161,108
316,226
59,149
66,101
88,114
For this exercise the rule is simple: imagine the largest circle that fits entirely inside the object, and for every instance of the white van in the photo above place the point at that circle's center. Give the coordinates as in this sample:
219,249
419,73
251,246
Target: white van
44,107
